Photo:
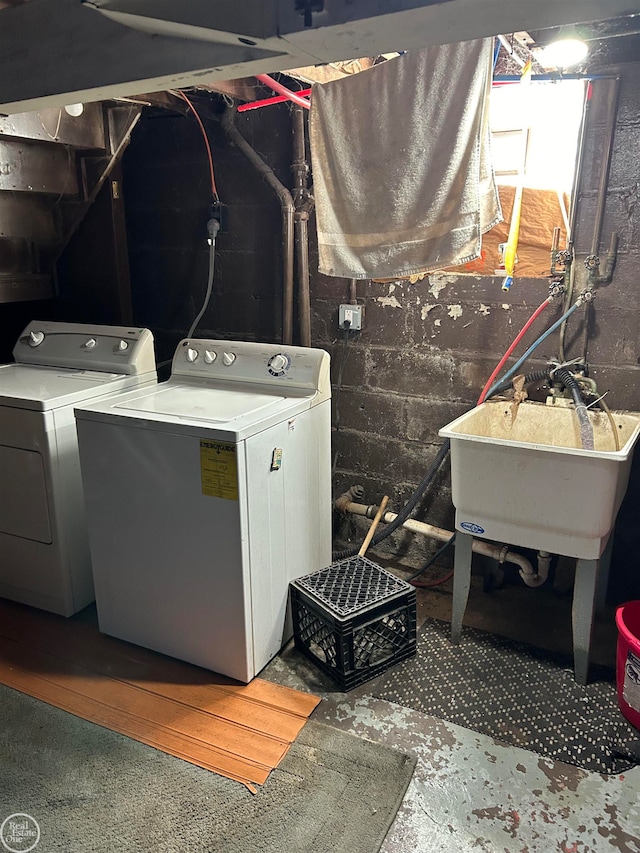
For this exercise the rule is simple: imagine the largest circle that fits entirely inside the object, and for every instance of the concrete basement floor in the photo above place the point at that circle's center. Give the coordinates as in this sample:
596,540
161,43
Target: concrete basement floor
470,792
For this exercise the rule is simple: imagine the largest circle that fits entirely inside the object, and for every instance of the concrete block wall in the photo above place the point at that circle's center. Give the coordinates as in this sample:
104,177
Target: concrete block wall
167,192
426,349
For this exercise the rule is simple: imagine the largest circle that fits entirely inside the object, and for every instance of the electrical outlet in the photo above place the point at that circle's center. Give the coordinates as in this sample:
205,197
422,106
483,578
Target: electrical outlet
350,317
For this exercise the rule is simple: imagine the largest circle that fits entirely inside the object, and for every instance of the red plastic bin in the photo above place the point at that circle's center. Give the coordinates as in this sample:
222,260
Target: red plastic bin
628,661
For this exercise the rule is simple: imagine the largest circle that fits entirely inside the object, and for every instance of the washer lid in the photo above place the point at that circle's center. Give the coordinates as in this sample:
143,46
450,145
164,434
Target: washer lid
202,403
25,386
190,407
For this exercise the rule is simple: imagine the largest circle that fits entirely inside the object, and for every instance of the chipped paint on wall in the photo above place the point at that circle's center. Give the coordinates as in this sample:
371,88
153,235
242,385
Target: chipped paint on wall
483,309
437,322
505,306
388,301
455,311
427,308
437,284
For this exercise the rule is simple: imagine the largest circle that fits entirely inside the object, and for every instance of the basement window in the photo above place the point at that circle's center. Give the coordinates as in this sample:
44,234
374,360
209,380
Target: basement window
535,132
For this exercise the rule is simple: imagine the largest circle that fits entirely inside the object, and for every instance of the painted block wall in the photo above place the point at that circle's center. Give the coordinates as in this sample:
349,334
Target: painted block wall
167,192
426,349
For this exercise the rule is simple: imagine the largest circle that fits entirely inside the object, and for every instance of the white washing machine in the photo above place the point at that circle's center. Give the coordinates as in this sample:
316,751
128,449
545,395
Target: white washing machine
44,548
205,496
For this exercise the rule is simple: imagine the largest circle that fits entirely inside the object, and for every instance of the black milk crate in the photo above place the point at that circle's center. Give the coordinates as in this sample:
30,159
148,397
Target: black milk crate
354,620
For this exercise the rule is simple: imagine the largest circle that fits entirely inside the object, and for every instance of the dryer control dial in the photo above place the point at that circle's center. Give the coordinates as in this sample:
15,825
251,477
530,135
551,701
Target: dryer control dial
210,356
90,344
123,345
191,355
35,338
228,358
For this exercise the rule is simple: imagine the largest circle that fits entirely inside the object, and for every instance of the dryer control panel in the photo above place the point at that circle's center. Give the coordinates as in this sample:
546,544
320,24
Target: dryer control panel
112,349
295,371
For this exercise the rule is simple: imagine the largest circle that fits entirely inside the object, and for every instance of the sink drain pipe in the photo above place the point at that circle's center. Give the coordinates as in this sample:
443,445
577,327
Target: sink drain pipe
501,553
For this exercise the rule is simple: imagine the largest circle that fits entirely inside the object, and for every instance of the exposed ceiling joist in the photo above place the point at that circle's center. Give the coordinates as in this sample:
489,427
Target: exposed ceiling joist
55,52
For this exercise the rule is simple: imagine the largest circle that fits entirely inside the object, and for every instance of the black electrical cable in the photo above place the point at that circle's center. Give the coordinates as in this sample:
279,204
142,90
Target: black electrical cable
432,560
213,226
408,508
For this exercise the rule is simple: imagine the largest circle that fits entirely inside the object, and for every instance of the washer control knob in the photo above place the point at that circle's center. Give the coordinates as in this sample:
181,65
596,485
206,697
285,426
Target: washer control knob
90,344
191,355
35,338
228,358
279,362
123,345
210,356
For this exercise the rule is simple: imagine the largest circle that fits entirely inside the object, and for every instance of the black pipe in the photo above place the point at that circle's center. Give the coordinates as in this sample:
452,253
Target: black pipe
577,177
594,271
606,164
573,216
303,204
301,230
299,167
286,205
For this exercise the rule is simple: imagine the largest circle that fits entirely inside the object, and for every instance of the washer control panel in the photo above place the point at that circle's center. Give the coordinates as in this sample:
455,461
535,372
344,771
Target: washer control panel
113,349
296,370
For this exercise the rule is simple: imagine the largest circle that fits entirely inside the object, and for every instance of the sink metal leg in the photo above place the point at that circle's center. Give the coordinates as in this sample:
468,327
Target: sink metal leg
603,575
584,599
461,582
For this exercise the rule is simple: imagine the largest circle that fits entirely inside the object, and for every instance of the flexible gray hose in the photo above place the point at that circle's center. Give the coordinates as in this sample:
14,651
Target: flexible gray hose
586,428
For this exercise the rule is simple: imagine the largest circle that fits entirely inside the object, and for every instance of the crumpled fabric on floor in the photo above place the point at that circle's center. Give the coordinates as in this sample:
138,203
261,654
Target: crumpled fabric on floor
402,172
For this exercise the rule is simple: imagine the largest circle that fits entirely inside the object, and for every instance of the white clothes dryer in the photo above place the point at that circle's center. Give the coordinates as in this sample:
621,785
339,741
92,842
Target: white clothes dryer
44,547
206,496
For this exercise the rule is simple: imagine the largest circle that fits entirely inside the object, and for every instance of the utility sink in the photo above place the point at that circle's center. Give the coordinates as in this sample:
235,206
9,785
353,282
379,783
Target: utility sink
520,476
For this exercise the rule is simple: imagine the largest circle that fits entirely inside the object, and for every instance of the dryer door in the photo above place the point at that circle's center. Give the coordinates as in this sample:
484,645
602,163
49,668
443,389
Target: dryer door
24,509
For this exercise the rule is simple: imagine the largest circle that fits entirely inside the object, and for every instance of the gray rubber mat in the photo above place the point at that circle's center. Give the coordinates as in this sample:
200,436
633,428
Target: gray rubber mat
517,694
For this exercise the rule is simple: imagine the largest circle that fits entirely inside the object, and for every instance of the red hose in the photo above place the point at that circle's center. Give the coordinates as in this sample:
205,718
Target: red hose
282,90
427,584
514,344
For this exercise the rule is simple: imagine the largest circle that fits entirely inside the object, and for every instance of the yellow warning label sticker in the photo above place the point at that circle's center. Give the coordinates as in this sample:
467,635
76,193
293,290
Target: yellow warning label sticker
219,469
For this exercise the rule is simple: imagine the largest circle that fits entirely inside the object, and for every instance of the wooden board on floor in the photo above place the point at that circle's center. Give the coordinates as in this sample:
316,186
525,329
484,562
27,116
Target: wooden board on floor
241,731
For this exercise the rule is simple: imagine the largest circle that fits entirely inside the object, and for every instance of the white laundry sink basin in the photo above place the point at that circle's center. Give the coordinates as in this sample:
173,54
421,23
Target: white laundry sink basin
520,476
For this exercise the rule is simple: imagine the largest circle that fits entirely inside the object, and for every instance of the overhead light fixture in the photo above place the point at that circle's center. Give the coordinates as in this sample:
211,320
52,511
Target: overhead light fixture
74,110
566,50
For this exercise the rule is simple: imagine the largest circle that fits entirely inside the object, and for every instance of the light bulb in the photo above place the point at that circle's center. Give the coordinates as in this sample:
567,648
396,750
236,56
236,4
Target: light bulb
564,53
